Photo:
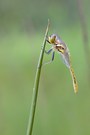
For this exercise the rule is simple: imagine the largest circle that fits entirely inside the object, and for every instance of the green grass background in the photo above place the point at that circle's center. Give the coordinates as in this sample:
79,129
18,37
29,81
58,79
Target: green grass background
59,110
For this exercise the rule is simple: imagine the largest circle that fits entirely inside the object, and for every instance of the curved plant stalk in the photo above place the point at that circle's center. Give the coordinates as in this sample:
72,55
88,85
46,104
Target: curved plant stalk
84,34
36,85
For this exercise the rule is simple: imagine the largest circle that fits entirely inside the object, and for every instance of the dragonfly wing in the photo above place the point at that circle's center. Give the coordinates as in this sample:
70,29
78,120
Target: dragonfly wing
66,59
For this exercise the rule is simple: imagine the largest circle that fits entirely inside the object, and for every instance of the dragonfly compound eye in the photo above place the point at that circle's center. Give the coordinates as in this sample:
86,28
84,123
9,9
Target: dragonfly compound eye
52,39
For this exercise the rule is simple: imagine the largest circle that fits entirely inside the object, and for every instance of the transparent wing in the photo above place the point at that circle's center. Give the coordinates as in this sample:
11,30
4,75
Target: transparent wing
65,59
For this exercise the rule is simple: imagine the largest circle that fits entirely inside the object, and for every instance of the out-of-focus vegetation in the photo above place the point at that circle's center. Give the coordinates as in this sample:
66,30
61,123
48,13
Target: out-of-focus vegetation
59,110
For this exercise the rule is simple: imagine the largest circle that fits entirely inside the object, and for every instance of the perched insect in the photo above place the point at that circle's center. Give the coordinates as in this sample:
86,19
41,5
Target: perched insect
59,46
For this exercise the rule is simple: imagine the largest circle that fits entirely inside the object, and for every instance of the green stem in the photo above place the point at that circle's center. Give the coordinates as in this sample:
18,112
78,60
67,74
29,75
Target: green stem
36,84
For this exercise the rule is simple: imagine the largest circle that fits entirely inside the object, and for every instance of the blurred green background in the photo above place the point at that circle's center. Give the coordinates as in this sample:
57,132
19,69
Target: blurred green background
22,28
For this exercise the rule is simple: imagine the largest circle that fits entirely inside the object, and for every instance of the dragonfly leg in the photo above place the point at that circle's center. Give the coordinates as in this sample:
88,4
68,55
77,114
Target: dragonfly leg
53,54
47,40
49,51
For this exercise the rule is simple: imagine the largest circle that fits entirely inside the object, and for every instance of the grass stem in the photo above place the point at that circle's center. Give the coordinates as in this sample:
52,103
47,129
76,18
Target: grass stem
36,85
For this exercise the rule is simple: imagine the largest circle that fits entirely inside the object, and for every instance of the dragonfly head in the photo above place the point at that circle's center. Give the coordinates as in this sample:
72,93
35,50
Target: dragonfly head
51,39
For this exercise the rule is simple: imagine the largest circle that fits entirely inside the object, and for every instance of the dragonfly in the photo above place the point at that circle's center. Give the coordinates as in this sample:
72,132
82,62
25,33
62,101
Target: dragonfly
59,46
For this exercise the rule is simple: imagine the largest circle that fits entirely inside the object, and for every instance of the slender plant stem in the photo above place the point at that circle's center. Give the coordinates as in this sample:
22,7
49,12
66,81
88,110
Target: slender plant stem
84,34
36,85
